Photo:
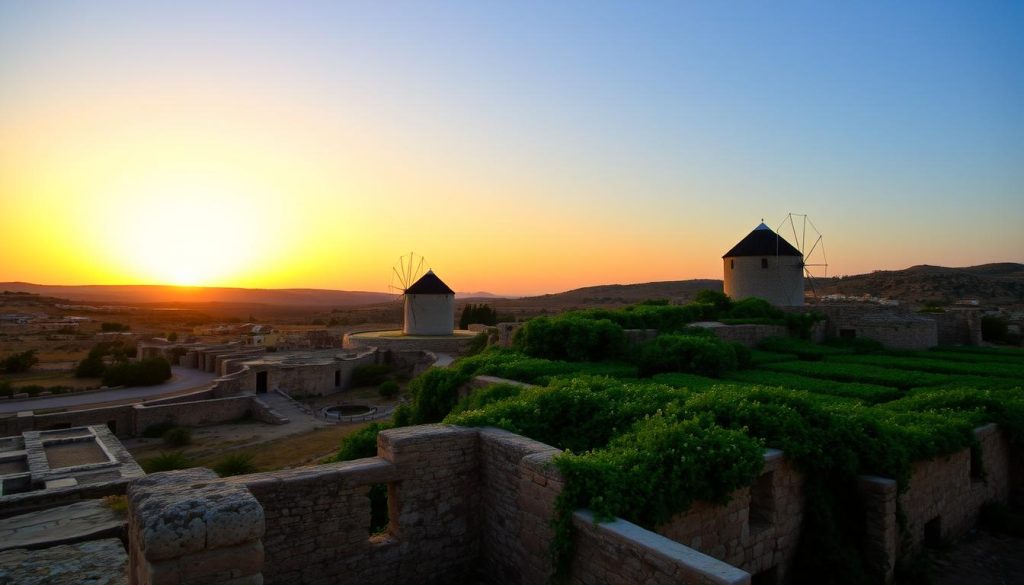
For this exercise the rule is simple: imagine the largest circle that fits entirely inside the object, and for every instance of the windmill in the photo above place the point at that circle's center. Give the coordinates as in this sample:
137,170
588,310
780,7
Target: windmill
429,304
811,246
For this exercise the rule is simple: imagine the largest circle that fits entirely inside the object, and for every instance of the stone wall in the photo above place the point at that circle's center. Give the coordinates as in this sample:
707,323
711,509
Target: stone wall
893,326
950,491
957,326
622,552
192,414
757,530
131,419
475,505
465,505
118,418
184,528
518,486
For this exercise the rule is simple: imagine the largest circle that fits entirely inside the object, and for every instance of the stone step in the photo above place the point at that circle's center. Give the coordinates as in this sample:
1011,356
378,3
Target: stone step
81,521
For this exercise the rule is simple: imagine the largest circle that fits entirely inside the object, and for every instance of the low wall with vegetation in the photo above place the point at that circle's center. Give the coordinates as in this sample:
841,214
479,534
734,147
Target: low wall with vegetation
467,504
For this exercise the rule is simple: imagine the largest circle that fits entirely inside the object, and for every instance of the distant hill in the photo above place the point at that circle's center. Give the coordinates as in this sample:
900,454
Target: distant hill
135,294
999,284
618,294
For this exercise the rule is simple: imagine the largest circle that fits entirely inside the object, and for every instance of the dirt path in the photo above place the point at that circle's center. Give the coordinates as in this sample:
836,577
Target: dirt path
981,558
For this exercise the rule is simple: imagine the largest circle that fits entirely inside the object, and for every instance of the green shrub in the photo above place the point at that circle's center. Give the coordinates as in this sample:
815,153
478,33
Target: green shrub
19,362
477,344
362,443
91,366
487,395
936,366
759,357
859,373
370,374
719,300
115,327
235,464
434,394
754,308
482,314
805,350
856,344
801,324
867,393
388,389
177,437
145,372
570,337
684,353
516,366
166,462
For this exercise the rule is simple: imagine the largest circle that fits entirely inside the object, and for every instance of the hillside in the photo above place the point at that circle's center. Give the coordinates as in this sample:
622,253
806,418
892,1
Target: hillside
131,294
999,284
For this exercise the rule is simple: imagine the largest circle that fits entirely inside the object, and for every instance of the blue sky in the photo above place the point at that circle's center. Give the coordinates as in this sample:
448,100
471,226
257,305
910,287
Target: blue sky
670,127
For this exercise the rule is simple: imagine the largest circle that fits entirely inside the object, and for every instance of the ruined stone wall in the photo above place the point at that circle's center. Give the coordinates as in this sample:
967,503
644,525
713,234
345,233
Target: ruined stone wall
192,414
621,552
915,334
757,530
518,490
475,505
957,326
131,419
506,332
118,418
318,518
893,326
949,491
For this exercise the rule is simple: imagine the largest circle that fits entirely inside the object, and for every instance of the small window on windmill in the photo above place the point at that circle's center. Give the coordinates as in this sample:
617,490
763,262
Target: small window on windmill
732,264
764,263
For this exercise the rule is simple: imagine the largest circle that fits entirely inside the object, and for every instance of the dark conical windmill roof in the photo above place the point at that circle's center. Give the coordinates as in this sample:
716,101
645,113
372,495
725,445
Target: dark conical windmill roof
762,242
429,284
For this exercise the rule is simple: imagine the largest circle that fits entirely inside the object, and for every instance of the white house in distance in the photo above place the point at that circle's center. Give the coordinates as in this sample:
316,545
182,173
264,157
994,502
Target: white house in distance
429,307
766,266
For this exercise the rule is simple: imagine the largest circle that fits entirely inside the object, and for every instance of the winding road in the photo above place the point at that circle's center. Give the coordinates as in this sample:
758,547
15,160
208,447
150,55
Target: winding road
184,379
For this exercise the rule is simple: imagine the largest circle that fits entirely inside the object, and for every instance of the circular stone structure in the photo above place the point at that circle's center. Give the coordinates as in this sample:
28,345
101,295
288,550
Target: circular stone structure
349,412
396,340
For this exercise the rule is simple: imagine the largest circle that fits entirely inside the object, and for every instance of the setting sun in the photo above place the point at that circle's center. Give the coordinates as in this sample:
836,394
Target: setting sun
189,234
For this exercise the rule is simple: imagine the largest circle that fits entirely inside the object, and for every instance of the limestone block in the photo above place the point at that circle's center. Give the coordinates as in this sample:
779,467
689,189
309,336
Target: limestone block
183,512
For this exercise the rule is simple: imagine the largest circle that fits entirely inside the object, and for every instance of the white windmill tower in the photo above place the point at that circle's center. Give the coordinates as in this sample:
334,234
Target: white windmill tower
429,302
766,266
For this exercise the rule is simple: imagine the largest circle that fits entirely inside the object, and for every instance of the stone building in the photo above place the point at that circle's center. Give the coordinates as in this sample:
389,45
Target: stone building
766,266
429,307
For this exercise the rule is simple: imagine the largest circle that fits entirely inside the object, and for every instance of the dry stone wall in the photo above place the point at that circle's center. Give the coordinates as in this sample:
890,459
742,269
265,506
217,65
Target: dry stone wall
476,505
757,530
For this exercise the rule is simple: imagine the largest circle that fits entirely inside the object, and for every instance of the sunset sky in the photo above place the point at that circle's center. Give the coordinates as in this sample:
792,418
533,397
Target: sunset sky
521,147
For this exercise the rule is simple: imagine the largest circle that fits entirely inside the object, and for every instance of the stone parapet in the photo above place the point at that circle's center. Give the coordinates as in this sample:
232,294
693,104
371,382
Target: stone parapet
185,528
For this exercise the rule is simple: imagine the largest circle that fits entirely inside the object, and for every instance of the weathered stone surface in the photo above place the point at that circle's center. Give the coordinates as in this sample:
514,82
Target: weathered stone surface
183,512
80,521
97,562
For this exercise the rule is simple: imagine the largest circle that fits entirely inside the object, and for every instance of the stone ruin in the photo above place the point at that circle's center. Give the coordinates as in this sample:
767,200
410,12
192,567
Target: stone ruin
475,505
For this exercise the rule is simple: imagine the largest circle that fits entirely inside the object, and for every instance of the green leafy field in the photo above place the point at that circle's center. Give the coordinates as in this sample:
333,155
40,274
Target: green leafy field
645,448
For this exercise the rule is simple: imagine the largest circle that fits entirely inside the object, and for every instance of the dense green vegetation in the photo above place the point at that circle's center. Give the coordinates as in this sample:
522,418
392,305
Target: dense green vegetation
145,372
17,363
482,314
645,448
